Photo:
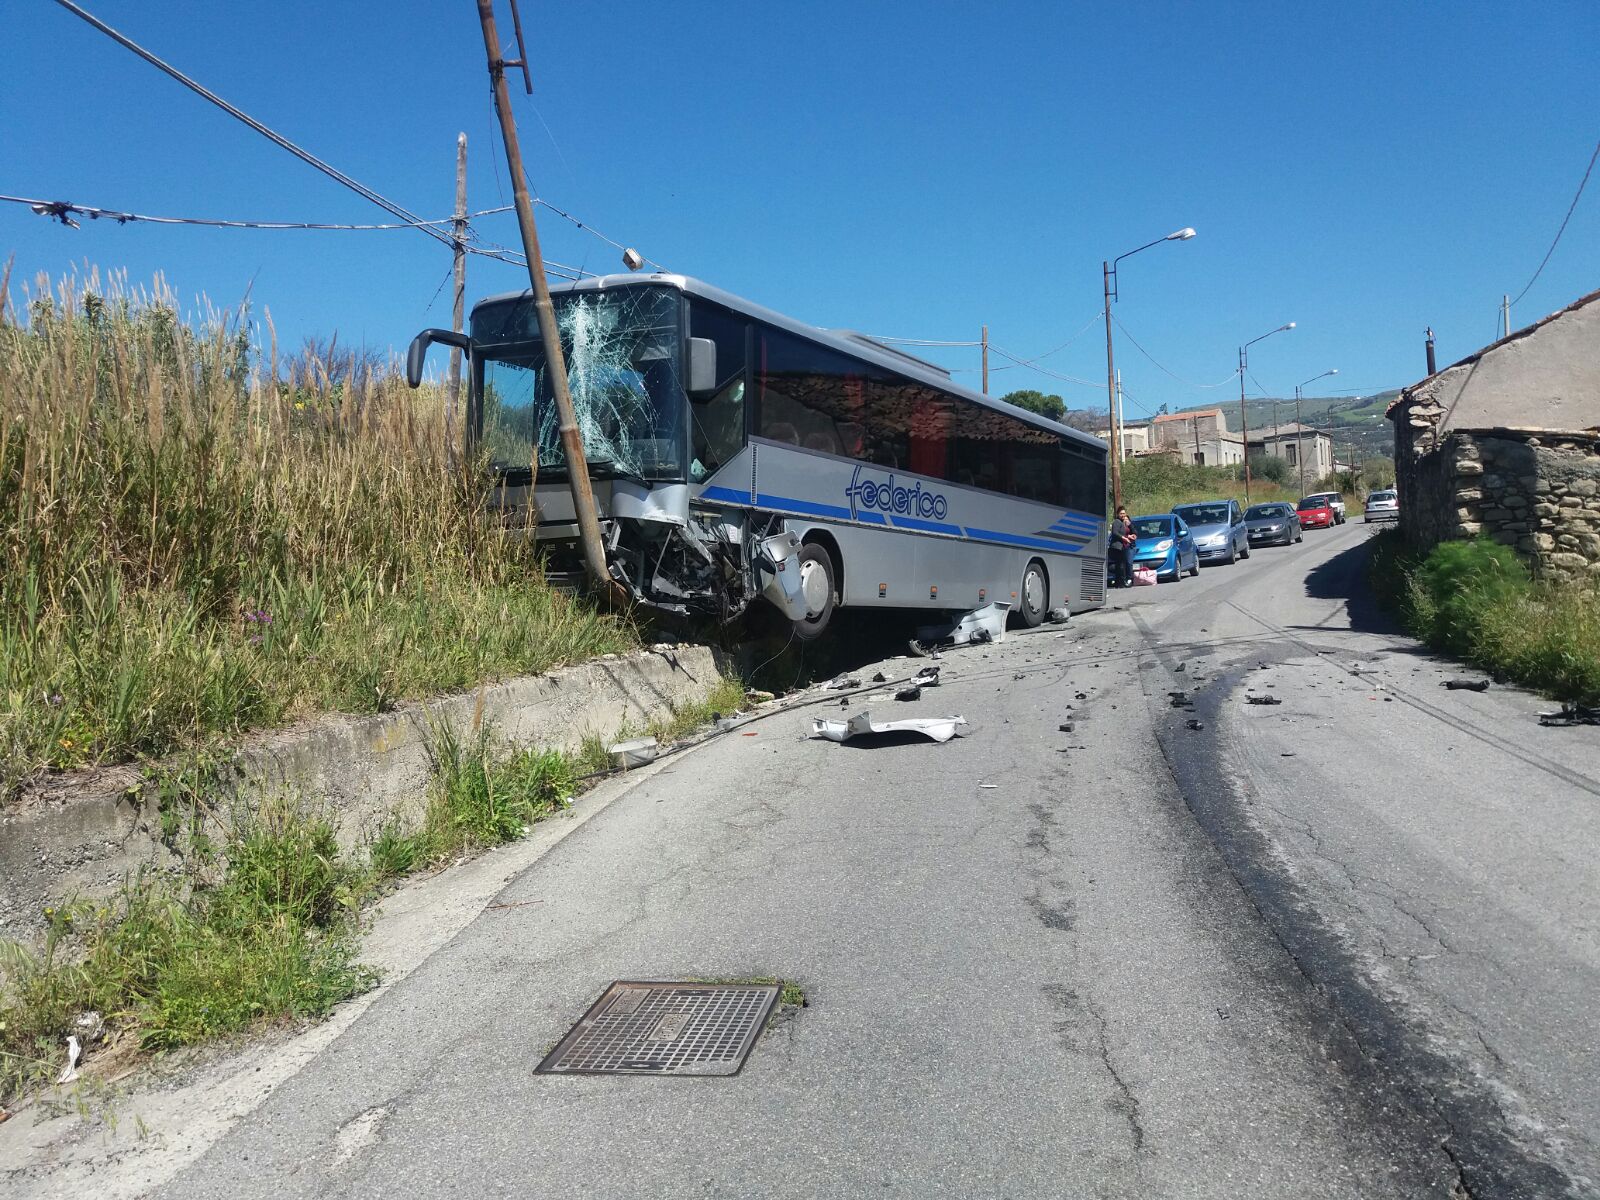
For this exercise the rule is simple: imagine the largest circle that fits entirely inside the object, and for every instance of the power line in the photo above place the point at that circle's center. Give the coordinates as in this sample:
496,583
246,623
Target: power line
410,218
1570,208
894,341
560,212
1022,362
1232,375
64,211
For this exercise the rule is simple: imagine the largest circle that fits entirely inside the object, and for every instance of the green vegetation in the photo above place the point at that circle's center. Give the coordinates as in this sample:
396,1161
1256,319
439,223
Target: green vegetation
479,799
1475,601
173,962
727,697
1156,483
198,537
1052,406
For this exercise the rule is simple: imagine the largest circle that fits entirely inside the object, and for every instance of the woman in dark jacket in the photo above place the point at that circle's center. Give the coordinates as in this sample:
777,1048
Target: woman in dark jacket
1120,548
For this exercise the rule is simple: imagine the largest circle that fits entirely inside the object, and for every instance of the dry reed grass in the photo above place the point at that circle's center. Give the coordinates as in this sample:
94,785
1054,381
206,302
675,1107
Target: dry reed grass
200,536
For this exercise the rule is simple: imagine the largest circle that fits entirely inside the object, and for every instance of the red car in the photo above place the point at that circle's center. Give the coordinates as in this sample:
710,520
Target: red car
1315,513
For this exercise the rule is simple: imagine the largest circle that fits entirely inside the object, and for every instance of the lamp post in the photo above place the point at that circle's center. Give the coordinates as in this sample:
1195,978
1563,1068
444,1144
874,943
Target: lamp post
1108,271
1244,417
1299,446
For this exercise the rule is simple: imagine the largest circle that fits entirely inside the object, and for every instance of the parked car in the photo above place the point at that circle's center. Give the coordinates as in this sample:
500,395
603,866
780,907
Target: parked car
1165,543
1219,529
1383,506
1336,502
1315,513
1272,524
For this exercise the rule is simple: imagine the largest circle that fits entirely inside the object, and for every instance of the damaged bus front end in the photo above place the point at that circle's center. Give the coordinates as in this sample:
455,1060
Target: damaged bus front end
633,374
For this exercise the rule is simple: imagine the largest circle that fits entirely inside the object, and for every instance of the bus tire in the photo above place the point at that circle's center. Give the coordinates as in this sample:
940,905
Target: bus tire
1035,595
815,560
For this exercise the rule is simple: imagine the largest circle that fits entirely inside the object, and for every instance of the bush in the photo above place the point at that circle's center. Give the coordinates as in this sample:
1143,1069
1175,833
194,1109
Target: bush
1476,601
1270,467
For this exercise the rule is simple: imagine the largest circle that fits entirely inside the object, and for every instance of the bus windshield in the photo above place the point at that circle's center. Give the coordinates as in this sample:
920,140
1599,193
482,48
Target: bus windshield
622,352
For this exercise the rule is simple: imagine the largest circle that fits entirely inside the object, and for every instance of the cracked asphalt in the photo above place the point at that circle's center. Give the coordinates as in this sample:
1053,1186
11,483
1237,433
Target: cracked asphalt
1343,945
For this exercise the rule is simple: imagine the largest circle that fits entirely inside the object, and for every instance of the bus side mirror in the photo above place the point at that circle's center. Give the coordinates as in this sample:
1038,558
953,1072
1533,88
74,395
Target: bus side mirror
702,366
417,352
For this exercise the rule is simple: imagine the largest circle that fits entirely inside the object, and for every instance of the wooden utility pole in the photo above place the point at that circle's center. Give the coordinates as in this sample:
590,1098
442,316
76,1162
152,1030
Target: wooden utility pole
985,360
1244,427
594,554
1111,394
453,405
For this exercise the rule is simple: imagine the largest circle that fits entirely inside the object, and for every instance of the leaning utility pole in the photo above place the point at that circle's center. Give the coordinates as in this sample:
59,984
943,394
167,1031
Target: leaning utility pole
594,554
458,226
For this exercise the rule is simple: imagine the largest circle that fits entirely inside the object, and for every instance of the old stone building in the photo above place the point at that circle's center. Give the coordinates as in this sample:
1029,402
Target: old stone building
1197,437
1506,444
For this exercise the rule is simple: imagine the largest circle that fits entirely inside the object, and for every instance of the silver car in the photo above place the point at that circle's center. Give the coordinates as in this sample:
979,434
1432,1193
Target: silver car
1218,528
1383,506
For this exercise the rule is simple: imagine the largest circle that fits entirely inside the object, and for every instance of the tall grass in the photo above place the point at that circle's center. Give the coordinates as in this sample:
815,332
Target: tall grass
1157,484
1476,601
200,536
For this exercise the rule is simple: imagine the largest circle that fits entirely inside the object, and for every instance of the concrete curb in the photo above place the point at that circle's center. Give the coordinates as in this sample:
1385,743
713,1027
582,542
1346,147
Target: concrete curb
82,835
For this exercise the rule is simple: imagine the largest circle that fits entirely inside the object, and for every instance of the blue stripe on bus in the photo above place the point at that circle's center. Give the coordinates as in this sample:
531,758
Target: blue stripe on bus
727,495
926,526
1013,539
1076,539
1080,524
871,518
809,507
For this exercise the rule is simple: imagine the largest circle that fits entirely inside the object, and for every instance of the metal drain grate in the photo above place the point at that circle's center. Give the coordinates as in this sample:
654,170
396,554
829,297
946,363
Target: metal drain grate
665,1029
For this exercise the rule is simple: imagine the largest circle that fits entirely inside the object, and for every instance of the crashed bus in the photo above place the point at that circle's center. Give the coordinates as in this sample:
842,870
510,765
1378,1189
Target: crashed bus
738,456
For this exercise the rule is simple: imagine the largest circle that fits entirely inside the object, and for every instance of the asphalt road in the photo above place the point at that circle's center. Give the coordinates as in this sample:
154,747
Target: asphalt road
1344,945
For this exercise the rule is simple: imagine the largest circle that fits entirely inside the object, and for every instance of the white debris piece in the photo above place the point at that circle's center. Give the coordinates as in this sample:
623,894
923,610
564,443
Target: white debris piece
938,729
986,624
635,753
74,1052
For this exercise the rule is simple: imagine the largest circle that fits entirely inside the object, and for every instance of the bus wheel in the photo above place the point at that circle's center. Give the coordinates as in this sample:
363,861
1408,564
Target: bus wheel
817,584
1035,596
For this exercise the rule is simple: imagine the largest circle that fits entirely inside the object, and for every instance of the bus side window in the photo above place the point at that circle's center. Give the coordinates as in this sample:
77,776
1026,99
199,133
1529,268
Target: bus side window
716,421
807,394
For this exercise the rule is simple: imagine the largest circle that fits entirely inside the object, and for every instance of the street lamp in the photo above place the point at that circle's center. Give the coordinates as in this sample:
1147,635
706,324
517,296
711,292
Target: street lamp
1108,272
1244,417
1299,446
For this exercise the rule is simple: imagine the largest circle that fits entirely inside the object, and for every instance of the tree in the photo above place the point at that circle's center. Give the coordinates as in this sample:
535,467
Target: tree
1270,466
1053,407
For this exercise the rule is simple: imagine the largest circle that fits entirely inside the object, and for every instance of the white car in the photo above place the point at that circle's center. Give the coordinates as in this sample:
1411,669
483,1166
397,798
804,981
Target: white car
1383,506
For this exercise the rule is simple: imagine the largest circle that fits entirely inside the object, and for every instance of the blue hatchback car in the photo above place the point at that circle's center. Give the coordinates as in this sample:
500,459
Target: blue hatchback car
1164,542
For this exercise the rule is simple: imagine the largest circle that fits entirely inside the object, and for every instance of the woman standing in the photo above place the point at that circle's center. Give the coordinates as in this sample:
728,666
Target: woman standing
1120,547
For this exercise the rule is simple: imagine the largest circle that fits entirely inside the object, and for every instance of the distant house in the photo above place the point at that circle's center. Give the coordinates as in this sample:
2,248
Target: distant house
1135,438
1292,443
1506,444
1197,437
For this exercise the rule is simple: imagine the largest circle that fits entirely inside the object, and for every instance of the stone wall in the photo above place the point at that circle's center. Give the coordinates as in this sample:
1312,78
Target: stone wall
1538,491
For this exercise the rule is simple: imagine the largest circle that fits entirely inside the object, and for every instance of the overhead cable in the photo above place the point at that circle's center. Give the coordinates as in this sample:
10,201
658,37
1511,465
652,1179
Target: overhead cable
1581,185
1232,375
361,189
64,211
1021,362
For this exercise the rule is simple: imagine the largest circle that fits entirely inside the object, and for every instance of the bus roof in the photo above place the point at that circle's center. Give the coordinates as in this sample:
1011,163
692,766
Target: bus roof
857,345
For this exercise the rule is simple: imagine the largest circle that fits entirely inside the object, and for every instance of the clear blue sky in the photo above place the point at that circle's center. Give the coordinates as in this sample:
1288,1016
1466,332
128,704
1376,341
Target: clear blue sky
1362,168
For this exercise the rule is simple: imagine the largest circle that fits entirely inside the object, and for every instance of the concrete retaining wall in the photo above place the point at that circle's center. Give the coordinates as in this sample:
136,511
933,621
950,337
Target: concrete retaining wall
79,835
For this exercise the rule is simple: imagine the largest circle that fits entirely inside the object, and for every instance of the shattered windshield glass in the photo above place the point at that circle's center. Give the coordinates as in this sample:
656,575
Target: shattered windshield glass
622,350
